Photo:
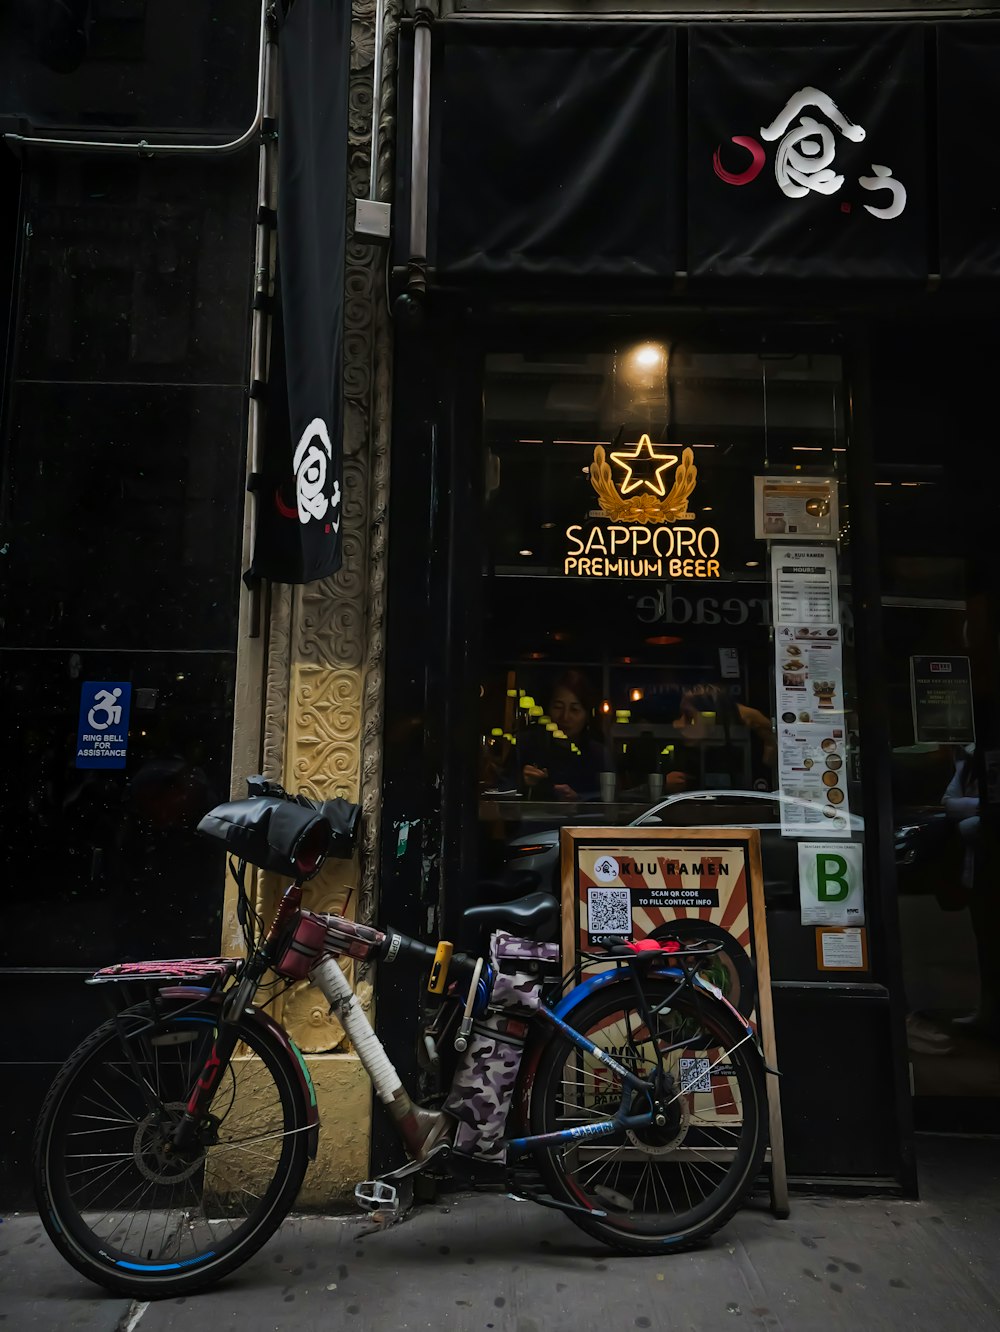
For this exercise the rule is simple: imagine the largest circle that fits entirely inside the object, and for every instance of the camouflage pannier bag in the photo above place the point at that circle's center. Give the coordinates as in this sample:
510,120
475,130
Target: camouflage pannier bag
484,1079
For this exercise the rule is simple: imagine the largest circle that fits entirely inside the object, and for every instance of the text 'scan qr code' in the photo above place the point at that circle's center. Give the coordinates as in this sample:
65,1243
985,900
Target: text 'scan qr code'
695,1076
609,911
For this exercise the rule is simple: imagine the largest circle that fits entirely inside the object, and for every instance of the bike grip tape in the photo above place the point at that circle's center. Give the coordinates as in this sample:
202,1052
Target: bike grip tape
439,968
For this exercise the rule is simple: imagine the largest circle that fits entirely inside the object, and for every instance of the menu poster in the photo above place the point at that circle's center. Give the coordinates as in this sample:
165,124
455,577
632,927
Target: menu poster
813,779
941,694
804,585
809,674
797,506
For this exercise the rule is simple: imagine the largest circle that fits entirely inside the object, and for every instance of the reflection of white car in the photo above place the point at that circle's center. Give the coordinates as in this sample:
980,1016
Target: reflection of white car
713,809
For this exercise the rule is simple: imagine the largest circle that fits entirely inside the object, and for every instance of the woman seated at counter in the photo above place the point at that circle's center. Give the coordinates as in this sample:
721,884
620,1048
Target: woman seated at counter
565,764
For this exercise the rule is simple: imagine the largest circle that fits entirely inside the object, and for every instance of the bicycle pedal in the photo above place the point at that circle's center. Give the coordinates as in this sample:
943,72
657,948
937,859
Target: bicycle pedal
375,1195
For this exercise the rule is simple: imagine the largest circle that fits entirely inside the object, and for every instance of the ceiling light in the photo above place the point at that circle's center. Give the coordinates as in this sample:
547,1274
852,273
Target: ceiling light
525,552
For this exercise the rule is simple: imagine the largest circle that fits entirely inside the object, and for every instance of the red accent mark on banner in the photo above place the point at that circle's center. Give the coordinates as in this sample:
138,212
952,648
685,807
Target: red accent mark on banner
283,508
753,170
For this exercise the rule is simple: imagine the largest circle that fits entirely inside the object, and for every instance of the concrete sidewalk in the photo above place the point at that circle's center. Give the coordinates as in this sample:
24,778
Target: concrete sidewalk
479,1261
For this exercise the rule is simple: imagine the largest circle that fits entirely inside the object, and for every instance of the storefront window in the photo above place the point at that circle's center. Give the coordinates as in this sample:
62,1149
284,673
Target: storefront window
939,608
640,503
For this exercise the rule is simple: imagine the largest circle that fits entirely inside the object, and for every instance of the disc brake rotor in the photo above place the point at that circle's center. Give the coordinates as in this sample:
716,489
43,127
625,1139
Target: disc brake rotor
155,1156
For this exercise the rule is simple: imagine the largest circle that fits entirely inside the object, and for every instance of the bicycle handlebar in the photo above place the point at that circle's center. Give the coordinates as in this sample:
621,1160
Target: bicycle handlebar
399,946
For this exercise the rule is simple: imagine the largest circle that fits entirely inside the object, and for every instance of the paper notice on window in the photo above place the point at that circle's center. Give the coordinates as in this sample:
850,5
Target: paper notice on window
796,506
831,883
808,672
841,950
804,587
812,775
812,737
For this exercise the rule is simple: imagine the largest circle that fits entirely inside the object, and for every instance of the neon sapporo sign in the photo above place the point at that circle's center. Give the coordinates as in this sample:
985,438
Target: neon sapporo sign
647,536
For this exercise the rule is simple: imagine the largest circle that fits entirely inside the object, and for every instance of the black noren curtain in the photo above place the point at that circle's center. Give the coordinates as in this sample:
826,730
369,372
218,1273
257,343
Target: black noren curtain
299,501
807,149
968,175
556,149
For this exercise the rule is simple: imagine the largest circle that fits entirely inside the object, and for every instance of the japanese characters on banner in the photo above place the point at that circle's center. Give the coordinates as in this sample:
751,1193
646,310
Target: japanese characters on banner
809,689
807,151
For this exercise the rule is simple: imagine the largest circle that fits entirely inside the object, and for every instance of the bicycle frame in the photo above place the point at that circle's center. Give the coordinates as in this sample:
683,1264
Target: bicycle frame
420,1129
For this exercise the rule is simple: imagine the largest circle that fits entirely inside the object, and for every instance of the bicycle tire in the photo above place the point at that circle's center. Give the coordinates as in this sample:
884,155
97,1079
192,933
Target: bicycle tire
614,1174
215,1205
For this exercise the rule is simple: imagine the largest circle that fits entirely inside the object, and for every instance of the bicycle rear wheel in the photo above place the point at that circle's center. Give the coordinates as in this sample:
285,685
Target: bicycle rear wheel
119,1202
662,1188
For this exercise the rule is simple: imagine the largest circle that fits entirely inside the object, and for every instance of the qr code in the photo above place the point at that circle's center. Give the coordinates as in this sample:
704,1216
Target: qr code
609,911
695,1076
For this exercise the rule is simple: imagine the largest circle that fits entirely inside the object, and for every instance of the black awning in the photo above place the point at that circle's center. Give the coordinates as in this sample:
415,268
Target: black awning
299,489
749,151
556,149
807,151
968,173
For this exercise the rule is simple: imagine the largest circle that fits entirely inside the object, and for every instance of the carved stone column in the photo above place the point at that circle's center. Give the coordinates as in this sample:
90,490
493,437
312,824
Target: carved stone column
323,707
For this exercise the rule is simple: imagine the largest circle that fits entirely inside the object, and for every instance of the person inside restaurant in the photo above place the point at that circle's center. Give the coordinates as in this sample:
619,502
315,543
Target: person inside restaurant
563,758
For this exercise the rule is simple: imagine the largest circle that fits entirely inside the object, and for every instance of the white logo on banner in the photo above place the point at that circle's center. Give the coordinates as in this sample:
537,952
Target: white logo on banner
310,465
804,158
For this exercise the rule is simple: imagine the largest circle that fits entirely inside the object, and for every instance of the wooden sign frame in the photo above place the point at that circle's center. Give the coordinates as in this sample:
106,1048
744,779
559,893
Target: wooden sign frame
692,889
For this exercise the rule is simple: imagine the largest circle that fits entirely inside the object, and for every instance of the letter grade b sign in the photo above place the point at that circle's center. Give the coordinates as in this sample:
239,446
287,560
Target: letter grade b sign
831,883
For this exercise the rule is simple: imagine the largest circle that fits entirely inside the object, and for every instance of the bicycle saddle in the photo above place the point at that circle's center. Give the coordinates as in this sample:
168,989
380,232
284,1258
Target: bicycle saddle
535,916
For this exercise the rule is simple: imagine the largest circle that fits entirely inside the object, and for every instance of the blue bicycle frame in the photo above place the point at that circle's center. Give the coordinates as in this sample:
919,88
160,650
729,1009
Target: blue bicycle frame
620,1120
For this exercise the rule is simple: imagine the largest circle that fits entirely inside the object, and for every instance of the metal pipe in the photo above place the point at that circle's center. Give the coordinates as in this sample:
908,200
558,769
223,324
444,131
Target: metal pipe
376,97
420,145
146,149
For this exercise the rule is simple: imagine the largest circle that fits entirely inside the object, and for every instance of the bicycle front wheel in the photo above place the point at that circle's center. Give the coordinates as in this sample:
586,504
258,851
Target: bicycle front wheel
662,1187
125,1207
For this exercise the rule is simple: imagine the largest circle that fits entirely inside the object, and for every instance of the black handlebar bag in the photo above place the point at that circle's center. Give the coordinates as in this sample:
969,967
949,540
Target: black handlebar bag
274,834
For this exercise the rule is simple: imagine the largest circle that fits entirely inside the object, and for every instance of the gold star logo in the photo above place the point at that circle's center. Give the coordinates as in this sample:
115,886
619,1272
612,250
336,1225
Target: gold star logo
643,452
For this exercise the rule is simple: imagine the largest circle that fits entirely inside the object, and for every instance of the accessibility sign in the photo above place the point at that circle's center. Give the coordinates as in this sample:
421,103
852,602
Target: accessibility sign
102,736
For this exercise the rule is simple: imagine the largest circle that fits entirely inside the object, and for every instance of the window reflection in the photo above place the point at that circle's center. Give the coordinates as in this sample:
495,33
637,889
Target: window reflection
628,652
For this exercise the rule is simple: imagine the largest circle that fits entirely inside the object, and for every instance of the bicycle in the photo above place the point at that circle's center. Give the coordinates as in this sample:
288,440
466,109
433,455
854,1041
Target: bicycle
174,1140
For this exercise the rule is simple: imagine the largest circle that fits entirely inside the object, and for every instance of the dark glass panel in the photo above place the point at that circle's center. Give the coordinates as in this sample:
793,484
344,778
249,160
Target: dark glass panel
105,865
123,64
137,270
123,517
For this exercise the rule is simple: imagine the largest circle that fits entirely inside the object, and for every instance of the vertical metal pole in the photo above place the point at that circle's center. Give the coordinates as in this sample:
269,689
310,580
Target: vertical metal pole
420,149
376,98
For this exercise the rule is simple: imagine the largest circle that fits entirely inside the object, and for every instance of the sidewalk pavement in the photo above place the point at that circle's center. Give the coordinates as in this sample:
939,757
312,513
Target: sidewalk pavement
480,1261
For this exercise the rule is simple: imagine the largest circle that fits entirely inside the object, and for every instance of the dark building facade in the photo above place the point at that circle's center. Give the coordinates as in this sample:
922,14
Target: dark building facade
755,260
759,250
124,447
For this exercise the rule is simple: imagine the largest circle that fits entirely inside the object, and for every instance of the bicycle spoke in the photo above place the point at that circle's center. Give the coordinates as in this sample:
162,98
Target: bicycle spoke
654,1175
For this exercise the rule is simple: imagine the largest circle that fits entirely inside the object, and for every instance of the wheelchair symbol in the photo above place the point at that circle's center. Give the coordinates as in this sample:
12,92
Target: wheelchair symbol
106,703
